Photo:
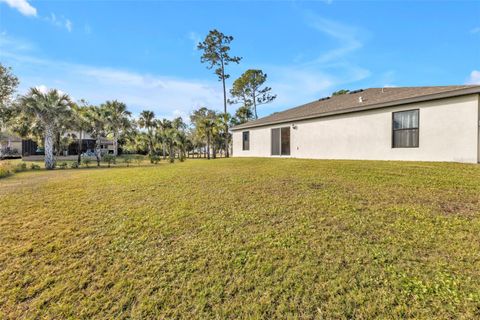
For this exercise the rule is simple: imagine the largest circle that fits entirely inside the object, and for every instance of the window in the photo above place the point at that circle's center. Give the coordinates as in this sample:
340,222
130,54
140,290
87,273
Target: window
281,141
246,140
405,129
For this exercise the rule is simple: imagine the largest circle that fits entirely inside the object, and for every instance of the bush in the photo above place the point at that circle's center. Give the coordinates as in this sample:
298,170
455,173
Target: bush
6,169
109,159
86,160
34,166
139,159
127,160
154,159
74,165
20,167
62,165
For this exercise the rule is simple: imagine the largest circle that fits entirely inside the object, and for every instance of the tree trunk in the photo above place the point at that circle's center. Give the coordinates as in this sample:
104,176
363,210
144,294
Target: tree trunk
208,145
172,153
98,152
225,109
164,154
49,158
79,142
56,144
115,144
255,105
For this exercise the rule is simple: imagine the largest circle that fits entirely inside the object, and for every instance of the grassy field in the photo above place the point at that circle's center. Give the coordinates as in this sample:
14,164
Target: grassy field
242,238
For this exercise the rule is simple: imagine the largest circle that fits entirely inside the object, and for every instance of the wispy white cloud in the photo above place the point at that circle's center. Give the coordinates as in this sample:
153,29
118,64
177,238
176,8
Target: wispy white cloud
310,78
23,6
348,37
195,38
68,25
60,22
302,81
475,30
14,44
166,96
474,77
297,84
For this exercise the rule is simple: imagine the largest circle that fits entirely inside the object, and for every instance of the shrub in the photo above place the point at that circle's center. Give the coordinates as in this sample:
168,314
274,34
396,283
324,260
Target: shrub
109,159
20,167
154,159
35,166
62,165
6,169
86,161
138,159
74,165
127,160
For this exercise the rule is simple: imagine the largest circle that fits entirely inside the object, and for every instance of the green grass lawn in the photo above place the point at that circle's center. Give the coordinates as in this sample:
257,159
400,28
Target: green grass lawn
242,238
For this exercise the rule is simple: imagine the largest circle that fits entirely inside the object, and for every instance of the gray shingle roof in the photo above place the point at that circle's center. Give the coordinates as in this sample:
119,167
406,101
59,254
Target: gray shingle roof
372,98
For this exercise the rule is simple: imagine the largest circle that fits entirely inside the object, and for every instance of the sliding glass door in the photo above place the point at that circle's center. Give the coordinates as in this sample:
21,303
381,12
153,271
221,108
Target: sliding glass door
281,141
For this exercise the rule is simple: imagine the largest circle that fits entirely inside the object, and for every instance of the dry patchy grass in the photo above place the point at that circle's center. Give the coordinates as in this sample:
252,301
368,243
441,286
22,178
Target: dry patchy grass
243,238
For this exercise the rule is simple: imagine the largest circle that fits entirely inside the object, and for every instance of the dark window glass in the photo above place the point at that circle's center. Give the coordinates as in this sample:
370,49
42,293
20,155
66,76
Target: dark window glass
405,129
285,141
246,140
281,141
275,142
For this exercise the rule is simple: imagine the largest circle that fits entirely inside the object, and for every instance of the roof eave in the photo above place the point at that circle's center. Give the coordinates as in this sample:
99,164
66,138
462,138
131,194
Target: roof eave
435,96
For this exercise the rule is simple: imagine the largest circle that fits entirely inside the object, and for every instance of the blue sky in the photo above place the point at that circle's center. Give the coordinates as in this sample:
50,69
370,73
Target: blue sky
143,52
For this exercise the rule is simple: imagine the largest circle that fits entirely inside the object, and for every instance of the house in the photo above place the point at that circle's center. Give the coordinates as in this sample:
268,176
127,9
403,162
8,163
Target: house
31,148
10,145
14,146
402,123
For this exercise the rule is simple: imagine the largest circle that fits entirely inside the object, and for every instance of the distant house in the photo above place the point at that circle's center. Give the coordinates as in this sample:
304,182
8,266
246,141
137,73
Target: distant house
403,123
13,146
10,145
31,148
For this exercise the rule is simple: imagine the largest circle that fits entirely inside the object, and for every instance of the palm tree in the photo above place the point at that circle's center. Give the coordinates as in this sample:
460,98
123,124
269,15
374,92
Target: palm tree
163,125
179,137
117,120
206,125
223,136
97,128
147,121
50,109
81,124
169,138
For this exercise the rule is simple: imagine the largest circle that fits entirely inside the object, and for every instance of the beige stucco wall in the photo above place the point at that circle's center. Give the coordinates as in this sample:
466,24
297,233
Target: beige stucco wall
449,131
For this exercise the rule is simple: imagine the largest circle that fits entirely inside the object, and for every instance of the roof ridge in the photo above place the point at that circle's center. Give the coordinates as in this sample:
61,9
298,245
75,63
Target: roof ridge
372,98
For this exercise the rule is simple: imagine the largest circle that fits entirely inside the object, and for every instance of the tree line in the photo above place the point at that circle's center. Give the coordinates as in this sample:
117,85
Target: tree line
54,121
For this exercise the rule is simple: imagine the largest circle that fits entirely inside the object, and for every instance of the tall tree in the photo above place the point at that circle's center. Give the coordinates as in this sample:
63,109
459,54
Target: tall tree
163,126
80,124
205,121
147,122
8,86
216,47
248,90
117,120
242,115
179,140
50,109
97,128
340,92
